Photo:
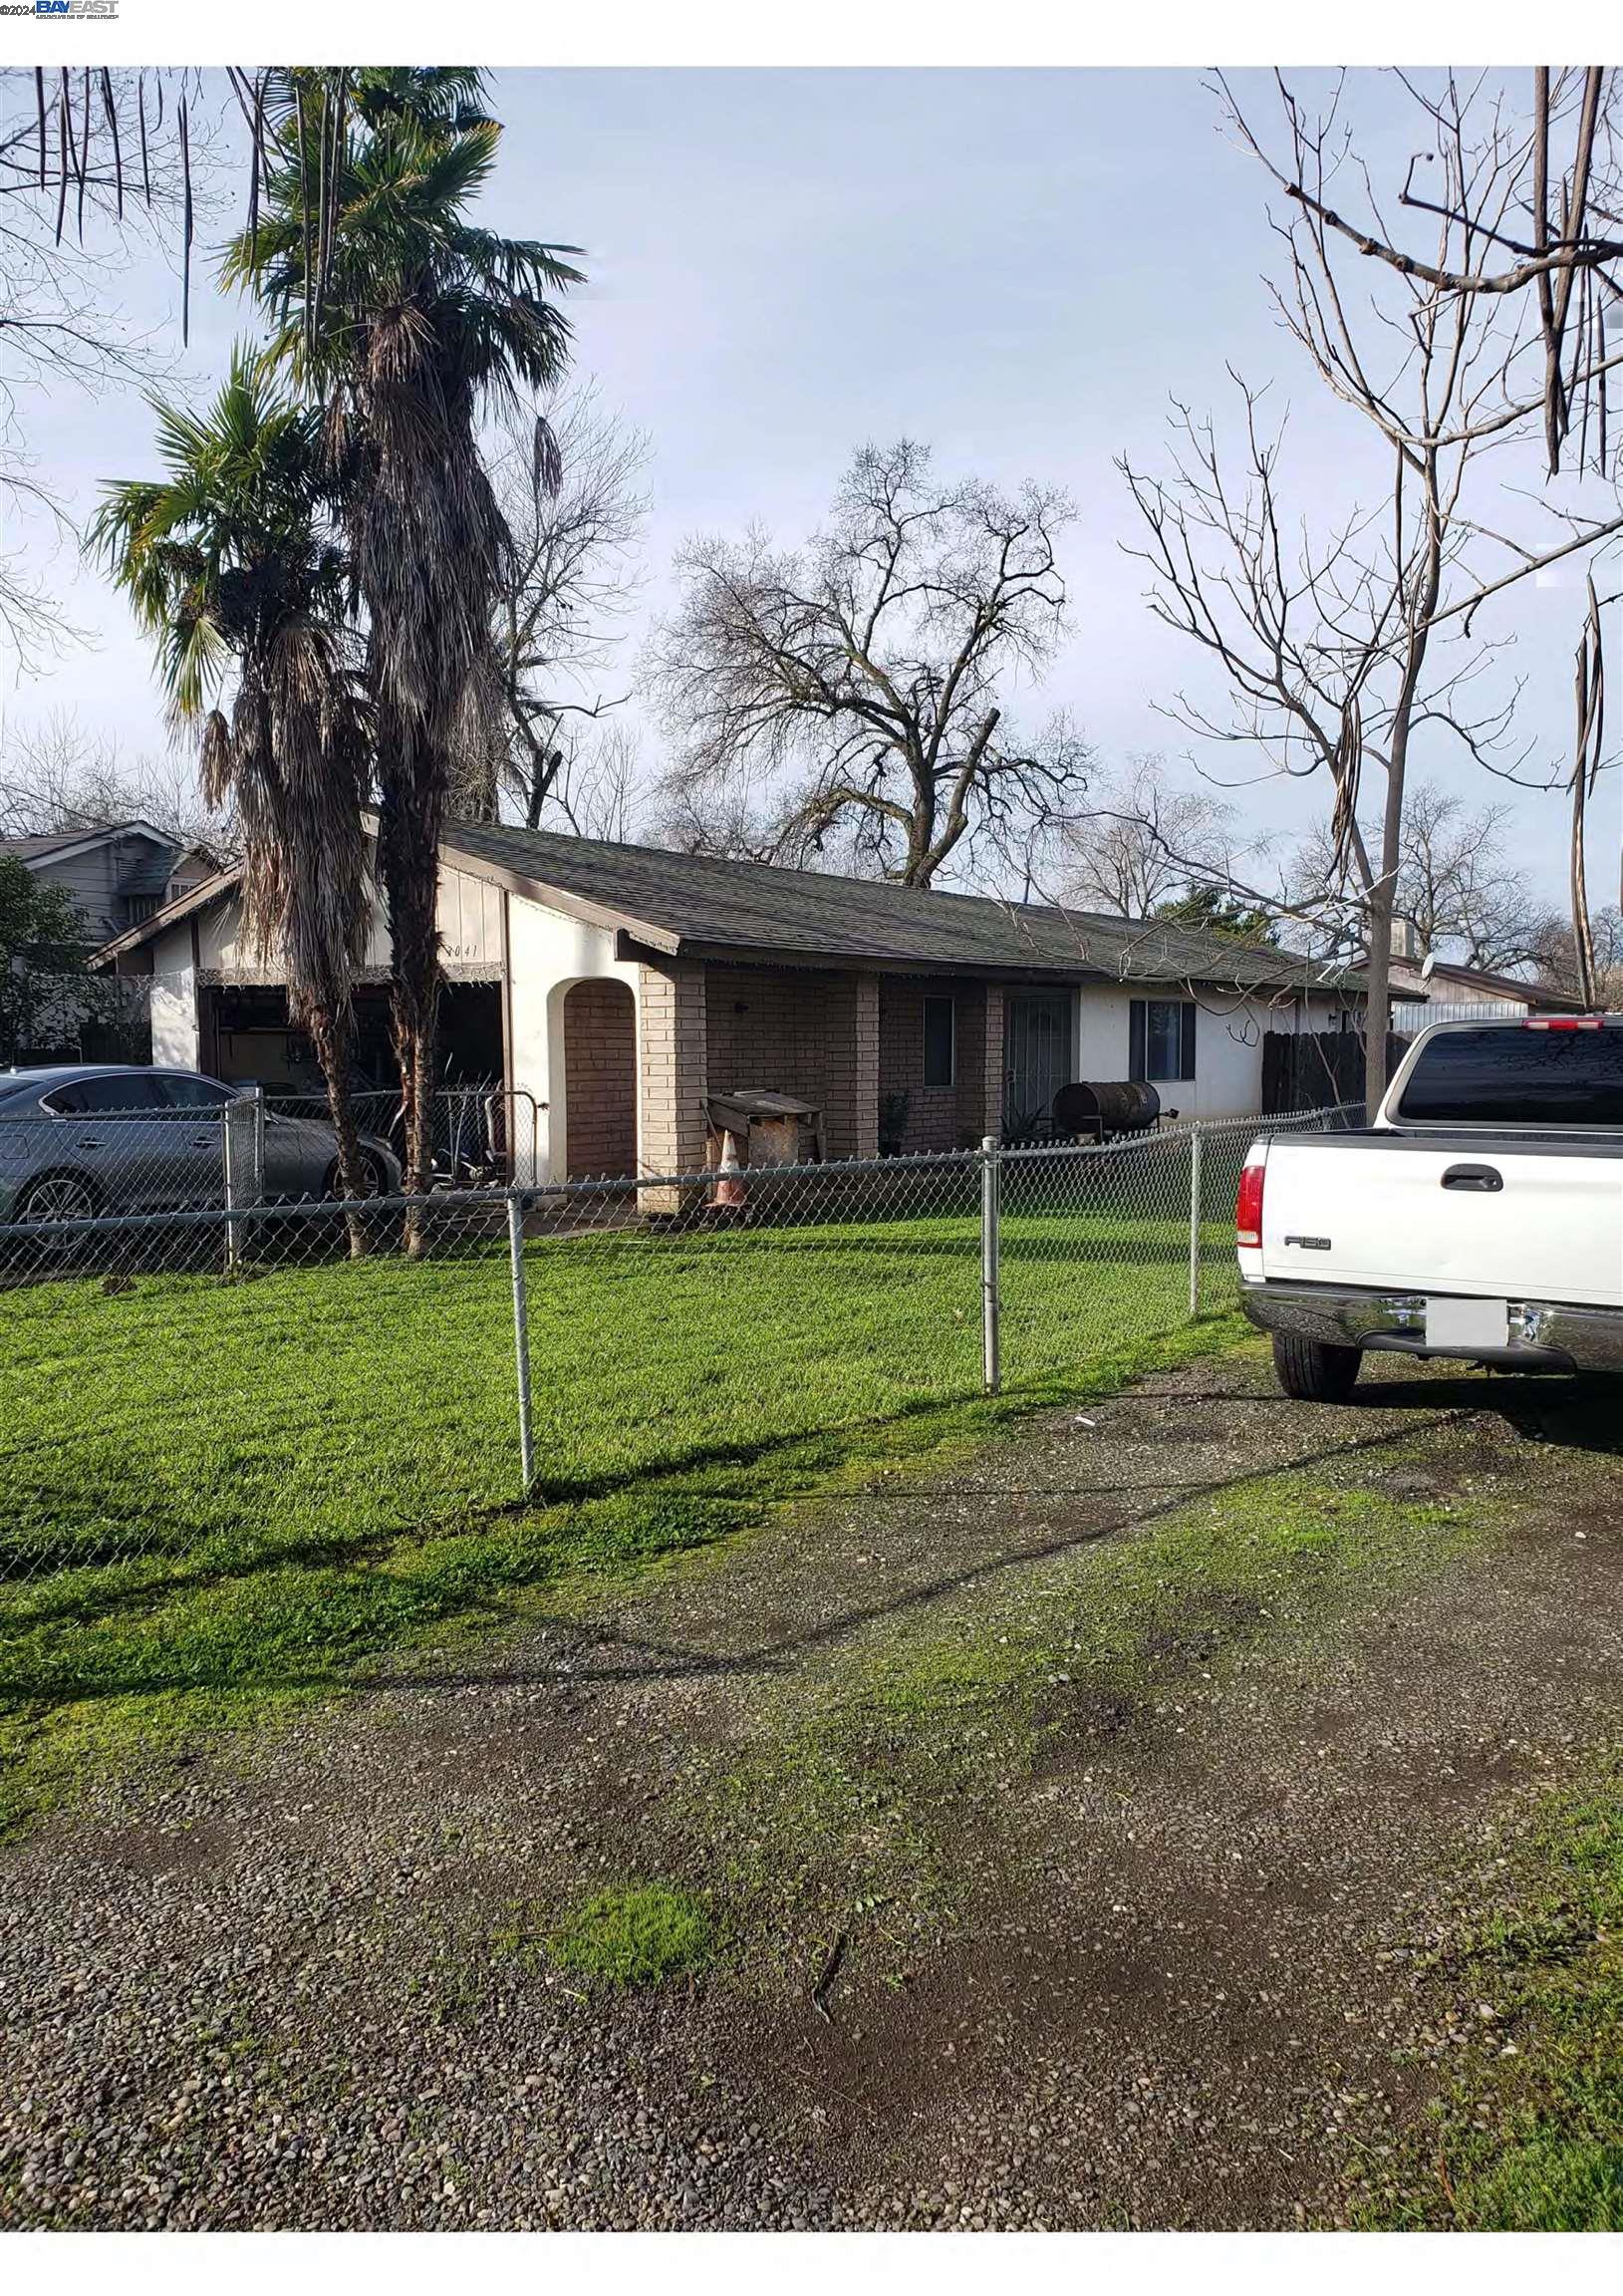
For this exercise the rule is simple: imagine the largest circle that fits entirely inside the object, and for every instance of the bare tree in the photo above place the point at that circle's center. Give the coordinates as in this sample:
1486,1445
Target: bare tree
1339,645
567,479
62,776
1142,840
1457,881
1509,239
598,790
1325,646
1555,240
1555,957
858,688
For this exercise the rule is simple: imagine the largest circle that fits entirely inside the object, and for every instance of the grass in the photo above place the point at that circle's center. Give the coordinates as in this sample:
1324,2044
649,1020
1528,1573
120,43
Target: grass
1529,2135
223,1499
636,1936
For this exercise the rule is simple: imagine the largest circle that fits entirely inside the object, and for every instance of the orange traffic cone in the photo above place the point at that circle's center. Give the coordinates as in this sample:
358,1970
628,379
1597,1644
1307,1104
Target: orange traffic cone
729,1185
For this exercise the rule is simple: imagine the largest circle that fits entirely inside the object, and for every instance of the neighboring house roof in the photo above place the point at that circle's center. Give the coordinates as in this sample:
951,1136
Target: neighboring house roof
1492,987
203,896
677,903
59,845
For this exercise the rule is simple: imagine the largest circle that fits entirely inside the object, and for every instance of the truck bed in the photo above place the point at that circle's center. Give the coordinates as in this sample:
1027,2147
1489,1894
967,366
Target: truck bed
1474,1214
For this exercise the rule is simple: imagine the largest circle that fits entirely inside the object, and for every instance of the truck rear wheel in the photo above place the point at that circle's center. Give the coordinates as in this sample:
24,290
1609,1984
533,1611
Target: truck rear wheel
1313,1371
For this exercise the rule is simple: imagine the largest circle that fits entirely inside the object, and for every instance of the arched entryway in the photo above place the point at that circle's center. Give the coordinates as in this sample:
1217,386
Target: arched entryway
600,1080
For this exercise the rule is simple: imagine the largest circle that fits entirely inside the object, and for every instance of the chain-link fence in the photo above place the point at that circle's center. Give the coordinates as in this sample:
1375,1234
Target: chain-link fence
479,1134
271,1375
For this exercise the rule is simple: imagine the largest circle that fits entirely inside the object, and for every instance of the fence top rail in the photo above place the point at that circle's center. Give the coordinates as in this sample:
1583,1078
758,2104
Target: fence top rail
1158,1135
537,1196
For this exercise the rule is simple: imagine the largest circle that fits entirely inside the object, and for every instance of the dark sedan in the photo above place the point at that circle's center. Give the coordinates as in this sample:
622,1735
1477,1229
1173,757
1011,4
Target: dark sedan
76,1142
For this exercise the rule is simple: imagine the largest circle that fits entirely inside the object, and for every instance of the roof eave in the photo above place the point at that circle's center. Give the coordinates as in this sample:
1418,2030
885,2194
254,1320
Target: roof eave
528,888
175,911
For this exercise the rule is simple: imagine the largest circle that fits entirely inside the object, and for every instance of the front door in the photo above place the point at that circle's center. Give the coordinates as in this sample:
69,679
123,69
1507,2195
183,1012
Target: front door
1036,1059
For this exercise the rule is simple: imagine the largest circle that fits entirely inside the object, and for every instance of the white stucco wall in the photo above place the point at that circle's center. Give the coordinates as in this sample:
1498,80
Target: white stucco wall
1229,1033
174,1000
549,953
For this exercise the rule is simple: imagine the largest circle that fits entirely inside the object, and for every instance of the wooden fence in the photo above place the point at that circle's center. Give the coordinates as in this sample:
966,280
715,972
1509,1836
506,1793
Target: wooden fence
1319,1072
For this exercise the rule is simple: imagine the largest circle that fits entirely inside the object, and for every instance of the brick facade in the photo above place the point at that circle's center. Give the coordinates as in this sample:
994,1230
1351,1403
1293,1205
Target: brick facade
839,1040
943,1117
671,1075
812,1035
600,1079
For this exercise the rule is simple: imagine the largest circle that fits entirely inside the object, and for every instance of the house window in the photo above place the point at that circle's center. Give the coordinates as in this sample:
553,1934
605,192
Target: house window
939,1041
1161,1041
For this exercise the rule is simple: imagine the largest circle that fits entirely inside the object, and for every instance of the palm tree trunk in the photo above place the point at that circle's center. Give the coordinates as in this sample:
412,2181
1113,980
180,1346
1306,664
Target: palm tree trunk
332,1032
410,878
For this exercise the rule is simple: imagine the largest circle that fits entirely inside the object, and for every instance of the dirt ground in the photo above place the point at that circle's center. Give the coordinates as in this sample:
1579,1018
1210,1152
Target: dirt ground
1004,1936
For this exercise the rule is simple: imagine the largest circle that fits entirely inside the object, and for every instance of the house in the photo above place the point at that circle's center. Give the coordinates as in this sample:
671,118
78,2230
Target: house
1427,991
1467,993
117,876
621,988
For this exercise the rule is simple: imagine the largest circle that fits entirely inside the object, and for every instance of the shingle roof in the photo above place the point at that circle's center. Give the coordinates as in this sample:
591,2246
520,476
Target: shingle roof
33,848
51,842
682,904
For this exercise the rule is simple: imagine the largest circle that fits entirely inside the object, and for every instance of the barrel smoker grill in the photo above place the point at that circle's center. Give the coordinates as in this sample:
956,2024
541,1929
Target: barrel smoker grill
1107,1112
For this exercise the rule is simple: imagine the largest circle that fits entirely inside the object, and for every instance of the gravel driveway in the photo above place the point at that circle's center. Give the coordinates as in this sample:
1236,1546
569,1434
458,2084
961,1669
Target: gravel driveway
1046,1946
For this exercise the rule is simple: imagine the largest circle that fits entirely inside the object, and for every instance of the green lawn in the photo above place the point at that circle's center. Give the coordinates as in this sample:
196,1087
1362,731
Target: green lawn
224,1488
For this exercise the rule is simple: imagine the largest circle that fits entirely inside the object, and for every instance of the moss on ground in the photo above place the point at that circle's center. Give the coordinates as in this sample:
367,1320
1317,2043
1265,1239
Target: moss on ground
864,1788
1528,2133
636,1936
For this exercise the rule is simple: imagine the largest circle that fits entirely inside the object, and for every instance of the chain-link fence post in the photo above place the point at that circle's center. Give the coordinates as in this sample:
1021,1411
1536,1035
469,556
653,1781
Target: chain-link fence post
521,1334
242,1129
229,1189
990,1214
1193,1221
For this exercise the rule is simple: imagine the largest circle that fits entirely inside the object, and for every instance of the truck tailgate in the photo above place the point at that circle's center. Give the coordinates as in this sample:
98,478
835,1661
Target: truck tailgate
1399,1213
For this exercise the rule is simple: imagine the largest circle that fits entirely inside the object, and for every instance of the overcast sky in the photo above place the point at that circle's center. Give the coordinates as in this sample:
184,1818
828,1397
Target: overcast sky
1016,267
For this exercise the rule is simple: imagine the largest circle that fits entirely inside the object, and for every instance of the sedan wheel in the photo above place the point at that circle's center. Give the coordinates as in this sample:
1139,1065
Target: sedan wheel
370,1178
57,1196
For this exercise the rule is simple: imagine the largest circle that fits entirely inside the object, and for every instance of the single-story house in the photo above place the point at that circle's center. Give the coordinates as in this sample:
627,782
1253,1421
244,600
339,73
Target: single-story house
624,989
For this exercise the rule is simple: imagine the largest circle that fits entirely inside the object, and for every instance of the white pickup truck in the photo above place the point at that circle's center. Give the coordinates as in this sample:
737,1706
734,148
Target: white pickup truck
1481,1217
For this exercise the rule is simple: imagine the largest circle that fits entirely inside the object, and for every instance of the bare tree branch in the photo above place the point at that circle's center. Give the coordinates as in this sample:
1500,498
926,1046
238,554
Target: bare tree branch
850,698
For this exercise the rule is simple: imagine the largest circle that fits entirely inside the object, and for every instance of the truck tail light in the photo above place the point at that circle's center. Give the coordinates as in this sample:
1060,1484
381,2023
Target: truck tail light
1587,1021
1248,1206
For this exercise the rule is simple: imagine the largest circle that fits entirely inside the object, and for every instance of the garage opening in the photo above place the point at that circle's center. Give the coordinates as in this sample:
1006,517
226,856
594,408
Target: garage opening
600,1080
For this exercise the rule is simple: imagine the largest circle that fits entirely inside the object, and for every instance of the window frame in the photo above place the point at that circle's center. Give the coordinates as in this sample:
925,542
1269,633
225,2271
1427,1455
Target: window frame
212,1096
152,1105
1138,1040
947,1084
1472,1110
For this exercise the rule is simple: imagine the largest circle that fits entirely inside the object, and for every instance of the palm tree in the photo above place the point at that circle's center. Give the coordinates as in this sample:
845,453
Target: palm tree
406,320
232,568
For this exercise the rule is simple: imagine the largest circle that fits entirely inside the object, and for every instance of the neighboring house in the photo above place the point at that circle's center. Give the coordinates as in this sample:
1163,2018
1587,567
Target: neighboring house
625,988
1423,996
116,877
